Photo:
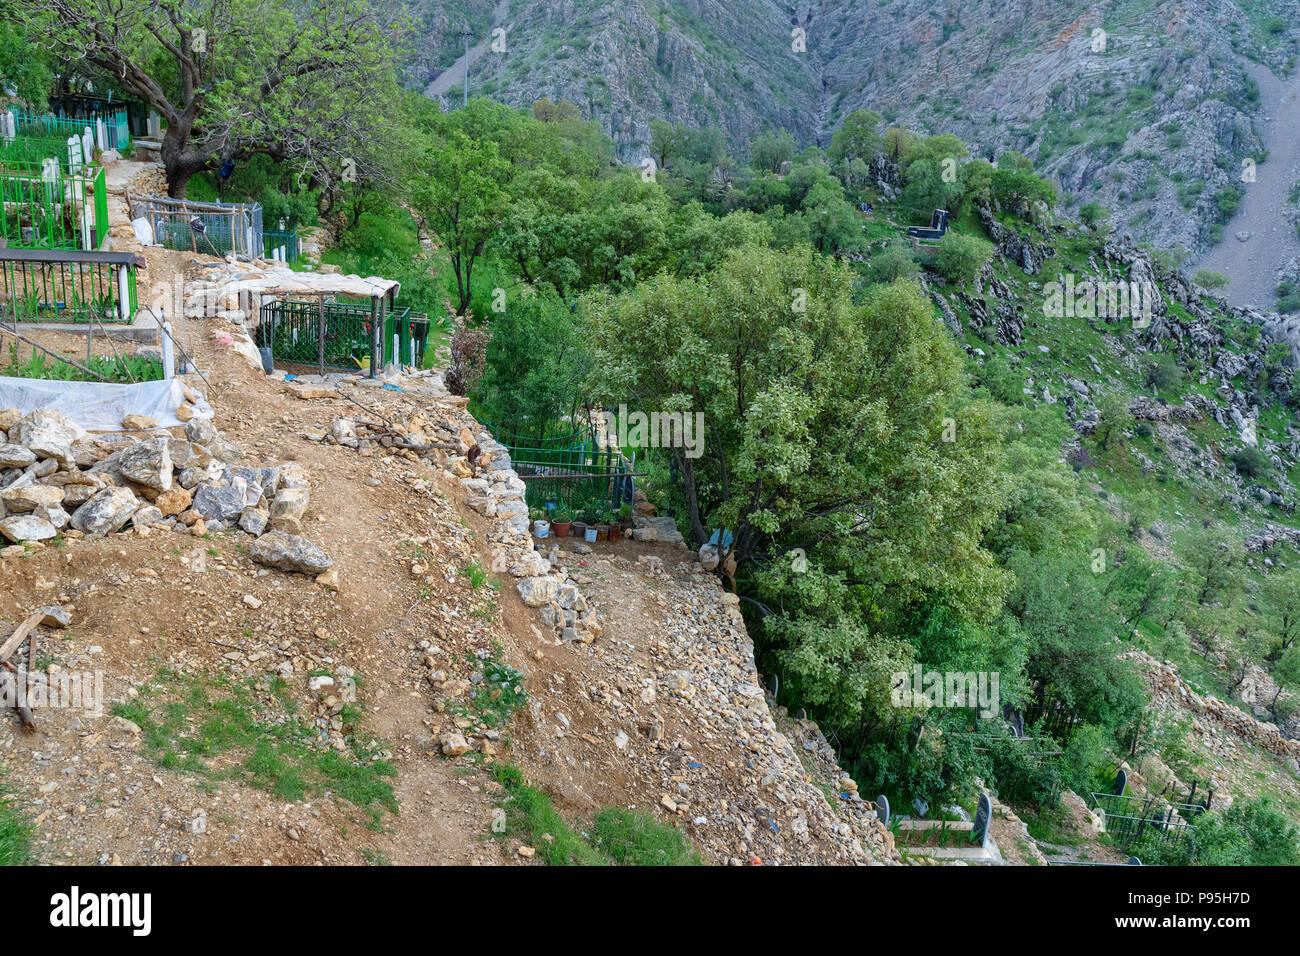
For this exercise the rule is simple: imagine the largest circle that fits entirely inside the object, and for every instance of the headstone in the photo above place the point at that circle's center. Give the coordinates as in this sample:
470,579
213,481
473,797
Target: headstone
1121,782
87,144
1134,861
983,813
882,810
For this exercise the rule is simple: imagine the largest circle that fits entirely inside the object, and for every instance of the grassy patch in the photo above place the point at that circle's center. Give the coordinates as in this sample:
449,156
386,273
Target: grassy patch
15,836
616,837
220,729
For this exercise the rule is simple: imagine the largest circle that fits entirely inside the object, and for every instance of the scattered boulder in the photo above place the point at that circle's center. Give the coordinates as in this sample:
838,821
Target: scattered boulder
15,456
288,508
107,511
537,591
173,502
289,552
19,499
27,528
135,422
254,521
221,500
147,463
146,516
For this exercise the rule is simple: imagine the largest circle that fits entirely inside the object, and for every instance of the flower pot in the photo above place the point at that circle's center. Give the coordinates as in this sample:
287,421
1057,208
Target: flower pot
579,529
602,532
615,532
541,528
561,528
589,534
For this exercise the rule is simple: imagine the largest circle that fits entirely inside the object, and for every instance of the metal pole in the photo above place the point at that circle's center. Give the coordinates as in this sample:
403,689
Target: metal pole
465,35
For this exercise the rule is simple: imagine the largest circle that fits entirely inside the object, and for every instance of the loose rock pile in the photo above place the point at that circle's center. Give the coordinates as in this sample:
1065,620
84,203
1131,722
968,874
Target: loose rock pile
447,435
56,480
1212,719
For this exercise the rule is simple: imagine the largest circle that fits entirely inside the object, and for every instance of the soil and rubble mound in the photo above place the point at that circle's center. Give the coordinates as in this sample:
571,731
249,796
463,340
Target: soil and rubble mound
643,675
58,481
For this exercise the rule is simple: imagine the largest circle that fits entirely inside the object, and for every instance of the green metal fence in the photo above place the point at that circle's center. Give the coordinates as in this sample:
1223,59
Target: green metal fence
117,133
51,207
569,471
336,335
35,150
272,240
65,286
208,227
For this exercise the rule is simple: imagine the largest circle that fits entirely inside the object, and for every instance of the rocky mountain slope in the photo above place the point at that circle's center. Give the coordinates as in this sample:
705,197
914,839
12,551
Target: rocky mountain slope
1149,108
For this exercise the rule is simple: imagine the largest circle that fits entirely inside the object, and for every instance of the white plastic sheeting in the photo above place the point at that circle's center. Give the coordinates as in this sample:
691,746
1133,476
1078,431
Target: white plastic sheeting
100,406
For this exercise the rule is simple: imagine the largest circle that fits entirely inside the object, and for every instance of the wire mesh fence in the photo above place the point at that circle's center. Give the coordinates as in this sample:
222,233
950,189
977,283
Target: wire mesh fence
79,287
208,227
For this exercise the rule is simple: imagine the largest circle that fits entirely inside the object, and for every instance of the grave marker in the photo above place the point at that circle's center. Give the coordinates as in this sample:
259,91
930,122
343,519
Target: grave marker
983,814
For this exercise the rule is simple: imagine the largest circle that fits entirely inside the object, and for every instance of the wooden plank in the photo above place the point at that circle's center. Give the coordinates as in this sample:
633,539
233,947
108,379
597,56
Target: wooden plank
16,638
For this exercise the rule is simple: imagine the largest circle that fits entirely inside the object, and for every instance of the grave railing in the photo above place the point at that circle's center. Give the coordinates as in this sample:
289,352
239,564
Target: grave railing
67,286
52,206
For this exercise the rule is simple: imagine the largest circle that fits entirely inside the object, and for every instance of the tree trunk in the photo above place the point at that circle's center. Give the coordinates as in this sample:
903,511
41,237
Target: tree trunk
179,162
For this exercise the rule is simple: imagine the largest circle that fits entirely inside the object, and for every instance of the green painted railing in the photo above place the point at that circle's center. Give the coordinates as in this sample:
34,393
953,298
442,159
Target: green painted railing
39,285
44,207
274,239
117,133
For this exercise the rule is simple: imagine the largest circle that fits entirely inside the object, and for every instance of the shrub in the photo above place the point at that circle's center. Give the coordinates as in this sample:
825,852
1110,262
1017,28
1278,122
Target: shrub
1250,461
962,257
1163,373
1024,778
893,263
1209,279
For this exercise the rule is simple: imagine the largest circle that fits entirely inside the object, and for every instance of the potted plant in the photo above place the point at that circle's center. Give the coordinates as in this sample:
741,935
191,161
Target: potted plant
561,521
625,517
541,527
615,528
591,531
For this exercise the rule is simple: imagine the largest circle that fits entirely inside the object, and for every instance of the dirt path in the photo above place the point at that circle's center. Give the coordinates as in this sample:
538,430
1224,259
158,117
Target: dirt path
1252,266
454,75
144,606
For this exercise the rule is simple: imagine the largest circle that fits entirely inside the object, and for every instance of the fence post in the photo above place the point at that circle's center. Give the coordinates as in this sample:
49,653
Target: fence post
168,356
124,293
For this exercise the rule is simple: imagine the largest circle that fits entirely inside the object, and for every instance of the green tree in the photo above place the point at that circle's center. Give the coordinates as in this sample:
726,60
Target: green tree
1286,674
461,196
304,82
768,150
1114,419
1092,213
535,364
790,376
1214,557
1280,600
892,263
857,138
23,64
